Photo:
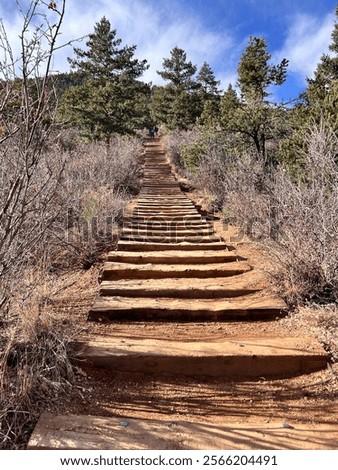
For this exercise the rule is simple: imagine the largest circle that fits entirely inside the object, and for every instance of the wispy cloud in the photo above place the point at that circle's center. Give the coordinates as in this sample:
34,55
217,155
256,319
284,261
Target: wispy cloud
308,37
217,36
154,29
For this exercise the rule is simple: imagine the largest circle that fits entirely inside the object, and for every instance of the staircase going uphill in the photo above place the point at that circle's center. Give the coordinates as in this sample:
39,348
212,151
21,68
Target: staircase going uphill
170,267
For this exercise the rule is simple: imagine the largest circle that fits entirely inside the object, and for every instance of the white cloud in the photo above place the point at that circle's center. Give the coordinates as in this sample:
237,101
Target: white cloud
307,39
154,30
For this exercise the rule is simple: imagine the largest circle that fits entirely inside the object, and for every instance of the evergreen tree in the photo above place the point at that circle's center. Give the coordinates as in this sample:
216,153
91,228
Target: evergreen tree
108,100
252,116
230,104
207,81
177,103
255,74
178,72
209,95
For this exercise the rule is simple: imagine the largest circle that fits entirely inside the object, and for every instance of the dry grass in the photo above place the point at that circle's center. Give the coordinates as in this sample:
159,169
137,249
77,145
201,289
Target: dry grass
70,208
96,187
35,368
322,322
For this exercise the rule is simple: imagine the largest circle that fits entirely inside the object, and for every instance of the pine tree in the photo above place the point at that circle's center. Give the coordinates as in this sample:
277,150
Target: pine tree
177,103
178,72
318,104
207,81
230,104
252,116
255,74
107,102
209,96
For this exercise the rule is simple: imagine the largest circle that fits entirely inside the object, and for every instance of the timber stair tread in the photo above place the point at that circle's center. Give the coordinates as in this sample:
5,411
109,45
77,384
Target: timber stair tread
165,203
193,288
114,433
253,307
167,232
166,225
171,239
167,218
175,257
174,288
117,270
163,210
181,245
251,357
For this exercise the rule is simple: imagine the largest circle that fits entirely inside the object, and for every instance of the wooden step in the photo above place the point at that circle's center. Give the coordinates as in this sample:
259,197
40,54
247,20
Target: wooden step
166,216
160,186
153,191
169,232
175,257
113,270
162,205
162,211
130,245
74,432
254,357
155,178
165,203
251,307
158,229
191,289
166,220
172,239
164,225
165,199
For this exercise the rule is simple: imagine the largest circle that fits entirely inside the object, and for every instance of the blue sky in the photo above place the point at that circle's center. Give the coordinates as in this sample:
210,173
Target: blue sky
215,31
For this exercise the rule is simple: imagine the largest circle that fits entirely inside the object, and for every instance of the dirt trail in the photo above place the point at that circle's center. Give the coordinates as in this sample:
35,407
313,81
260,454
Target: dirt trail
183,347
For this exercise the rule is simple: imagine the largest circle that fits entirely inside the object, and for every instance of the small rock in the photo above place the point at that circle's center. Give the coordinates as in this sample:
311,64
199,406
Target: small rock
124,423
287,426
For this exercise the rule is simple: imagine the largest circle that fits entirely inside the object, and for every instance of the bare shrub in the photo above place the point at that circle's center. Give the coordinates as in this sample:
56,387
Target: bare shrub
220,172
198,157
295,219
35,365
29,175
27,208
96,187
245,200
306,221
35,368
